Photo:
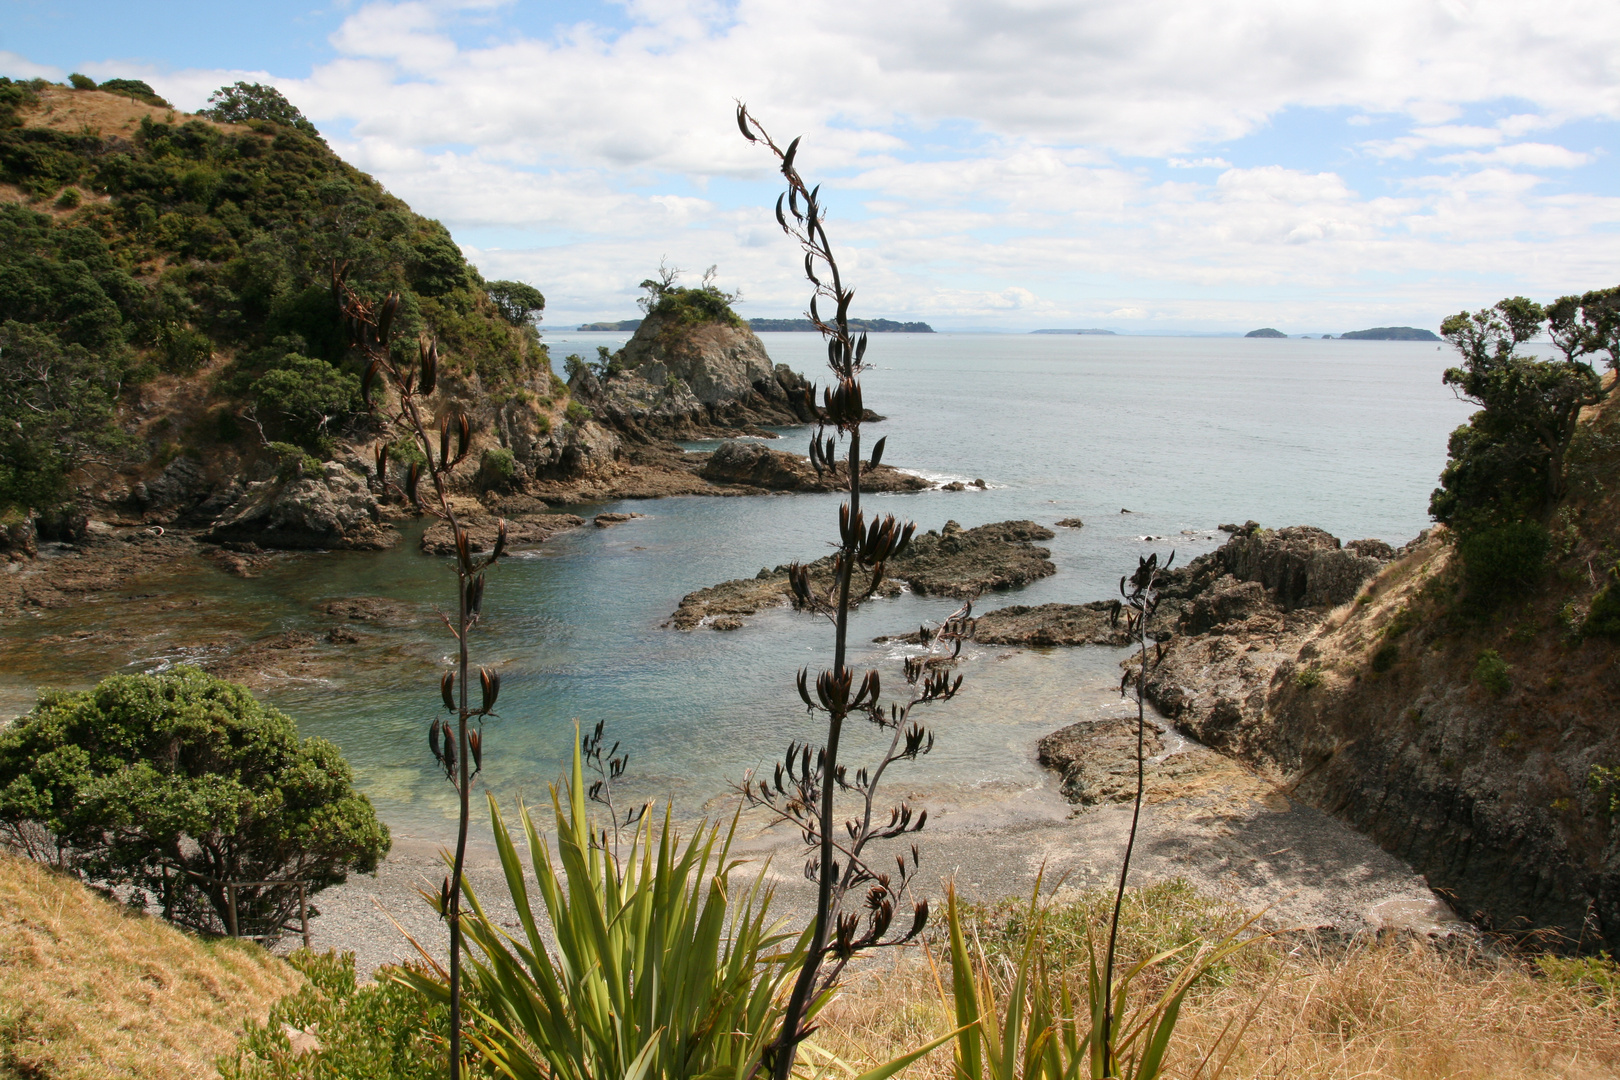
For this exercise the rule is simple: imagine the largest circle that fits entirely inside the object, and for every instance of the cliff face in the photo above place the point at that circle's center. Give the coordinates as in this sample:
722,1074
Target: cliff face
1471,745
687,380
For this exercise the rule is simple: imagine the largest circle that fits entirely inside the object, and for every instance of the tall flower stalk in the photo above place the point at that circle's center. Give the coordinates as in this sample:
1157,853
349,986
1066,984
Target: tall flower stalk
457,743
806,782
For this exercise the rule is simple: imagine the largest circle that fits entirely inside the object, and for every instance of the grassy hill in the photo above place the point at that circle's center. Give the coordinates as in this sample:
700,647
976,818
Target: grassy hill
164,274
90,989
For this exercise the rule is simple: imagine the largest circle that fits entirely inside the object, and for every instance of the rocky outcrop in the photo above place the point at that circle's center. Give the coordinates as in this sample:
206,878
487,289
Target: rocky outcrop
1098,762
1096,623
676,381
481,529
333,509
752,464
951,562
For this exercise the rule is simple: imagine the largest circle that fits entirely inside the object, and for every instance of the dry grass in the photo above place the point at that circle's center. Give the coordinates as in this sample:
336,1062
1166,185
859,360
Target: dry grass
1399,1010
90,989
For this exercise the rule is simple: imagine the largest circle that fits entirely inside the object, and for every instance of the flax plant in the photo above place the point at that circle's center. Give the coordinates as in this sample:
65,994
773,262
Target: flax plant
808,779
456,744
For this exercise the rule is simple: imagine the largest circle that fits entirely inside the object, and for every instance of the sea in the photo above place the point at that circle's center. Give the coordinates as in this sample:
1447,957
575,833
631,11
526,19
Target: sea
1153,442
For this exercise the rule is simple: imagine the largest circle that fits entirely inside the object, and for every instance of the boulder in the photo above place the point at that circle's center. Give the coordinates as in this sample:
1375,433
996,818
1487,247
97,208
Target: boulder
755,465
332,509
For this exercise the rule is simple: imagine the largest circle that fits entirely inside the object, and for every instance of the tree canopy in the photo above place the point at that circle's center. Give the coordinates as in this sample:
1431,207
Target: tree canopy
173,783
243,101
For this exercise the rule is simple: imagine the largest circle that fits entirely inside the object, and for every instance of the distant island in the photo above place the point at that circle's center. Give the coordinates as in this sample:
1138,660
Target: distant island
801,326
1110,333
1265,332
1390,333
870,326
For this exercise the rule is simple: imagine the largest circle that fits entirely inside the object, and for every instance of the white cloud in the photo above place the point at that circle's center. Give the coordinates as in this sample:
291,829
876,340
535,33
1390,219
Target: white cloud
986,158
16,66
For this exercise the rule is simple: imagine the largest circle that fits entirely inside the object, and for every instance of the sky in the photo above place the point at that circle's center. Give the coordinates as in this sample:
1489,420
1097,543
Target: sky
1156,166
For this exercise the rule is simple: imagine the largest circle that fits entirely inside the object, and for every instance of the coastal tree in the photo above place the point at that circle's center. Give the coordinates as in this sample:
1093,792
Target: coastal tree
244,101
517,302
175,783
1506,466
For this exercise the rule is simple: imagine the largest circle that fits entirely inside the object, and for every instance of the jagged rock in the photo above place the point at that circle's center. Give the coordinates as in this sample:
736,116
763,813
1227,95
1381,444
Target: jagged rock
756,465
1070,523
181,486
607,521
18,539
63,525
1301,566
333,509
1097,759
680,381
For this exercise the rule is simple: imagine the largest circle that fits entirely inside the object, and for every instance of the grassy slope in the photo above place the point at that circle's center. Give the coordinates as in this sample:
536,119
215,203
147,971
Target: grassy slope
89,989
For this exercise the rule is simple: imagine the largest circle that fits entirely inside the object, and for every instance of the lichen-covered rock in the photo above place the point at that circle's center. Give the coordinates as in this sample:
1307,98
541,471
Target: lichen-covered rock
332,509
1096,623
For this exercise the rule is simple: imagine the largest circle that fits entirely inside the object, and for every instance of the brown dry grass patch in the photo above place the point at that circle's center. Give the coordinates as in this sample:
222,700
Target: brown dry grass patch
91,989
1396,1010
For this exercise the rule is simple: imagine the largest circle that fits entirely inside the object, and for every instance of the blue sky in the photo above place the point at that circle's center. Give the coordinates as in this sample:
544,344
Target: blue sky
1162,166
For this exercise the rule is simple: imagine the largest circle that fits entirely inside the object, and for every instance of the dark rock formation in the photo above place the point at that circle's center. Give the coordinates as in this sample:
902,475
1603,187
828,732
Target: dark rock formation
1096,623
755,465
482,529
952,562
1097,759
675,381
1071,523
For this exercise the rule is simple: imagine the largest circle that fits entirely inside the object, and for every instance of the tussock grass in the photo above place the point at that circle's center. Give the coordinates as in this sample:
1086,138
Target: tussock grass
91,989
1398,1009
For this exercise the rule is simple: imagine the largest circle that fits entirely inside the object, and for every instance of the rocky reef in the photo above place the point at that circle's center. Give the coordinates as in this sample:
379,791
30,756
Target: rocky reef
950,562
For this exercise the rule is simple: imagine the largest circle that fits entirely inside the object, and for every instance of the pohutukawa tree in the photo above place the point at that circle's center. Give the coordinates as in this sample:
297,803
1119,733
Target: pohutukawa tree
456,743
856,897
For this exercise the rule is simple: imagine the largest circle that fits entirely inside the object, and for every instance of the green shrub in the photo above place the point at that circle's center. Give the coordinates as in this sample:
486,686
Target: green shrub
1604,782
1307,678
577,413
496,469
1385,656
1604,618
242,102
305,400
185,350
81,82
662,967
166,782
1594,977
384,1031
69,199
1493,673
135,89
1502,561
293,462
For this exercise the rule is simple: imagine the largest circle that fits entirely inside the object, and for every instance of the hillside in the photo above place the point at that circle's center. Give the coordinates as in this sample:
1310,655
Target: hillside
89,989
1481,745
165,297
1391,333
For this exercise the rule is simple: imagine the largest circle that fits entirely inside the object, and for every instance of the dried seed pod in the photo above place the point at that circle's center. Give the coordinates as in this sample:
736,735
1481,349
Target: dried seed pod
413,477
463,436
464,549
444,441
433,741
447,690
430,365
491,685
877,450
742,122
475,743
385,317
444,897
365,383
804,688
475,595
382,464
500,541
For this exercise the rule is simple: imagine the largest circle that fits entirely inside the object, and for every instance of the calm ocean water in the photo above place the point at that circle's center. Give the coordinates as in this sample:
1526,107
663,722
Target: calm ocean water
1184,433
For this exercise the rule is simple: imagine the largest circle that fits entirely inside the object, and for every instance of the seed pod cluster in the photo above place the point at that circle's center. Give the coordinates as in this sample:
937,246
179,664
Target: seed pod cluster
843,404
428,361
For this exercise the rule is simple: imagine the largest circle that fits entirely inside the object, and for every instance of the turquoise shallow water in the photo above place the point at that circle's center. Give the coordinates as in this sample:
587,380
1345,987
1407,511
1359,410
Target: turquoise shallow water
1185,433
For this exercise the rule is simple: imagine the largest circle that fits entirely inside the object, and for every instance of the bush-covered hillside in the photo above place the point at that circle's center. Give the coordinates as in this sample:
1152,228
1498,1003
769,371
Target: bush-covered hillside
138,243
